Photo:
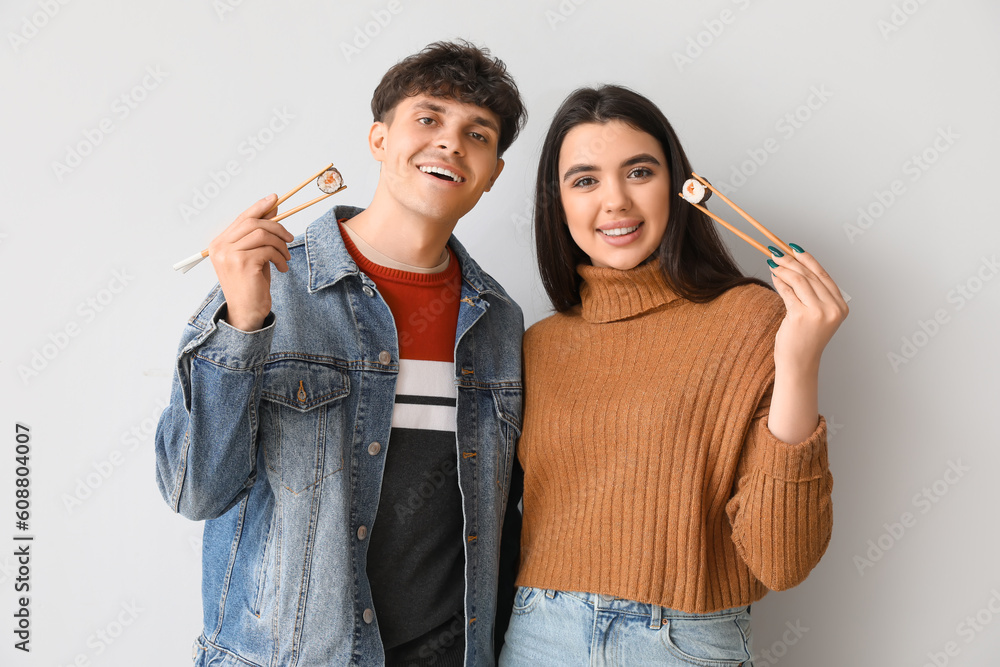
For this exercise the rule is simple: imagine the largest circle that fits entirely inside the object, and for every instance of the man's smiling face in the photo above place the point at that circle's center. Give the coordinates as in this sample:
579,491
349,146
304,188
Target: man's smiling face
438,155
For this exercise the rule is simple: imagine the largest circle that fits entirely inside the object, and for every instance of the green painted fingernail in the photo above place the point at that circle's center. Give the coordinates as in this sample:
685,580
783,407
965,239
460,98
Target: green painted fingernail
772,263
795,247
775,251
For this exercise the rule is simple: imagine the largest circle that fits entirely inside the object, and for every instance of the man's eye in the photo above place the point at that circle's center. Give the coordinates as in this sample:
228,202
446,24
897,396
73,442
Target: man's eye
425,121
478,137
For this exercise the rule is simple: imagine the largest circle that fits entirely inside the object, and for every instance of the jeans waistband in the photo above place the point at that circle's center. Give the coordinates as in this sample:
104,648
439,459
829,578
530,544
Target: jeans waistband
656,613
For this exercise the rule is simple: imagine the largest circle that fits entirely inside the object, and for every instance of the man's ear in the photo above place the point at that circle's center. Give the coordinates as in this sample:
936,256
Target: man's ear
376,140
496,174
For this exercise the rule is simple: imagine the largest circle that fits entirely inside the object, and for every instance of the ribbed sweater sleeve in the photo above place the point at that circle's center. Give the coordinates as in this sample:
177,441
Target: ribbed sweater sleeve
781,511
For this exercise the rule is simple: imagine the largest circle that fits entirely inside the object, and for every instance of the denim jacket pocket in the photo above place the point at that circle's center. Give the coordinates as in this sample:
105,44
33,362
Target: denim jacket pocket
302,425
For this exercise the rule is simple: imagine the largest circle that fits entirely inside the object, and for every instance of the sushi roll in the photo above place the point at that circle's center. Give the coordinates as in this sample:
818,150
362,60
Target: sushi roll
694,192
330,181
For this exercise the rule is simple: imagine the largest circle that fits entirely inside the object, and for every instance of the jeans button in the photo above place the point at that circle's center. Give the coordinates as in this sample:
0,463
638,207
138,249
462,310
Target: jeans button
362,531
374,448
384,358
369,616
368,291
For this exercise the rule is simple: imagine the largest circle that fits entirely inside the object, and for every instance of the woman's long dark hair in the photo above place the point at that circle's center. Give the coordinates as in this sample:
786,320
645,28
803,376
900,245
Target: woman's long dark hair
695,262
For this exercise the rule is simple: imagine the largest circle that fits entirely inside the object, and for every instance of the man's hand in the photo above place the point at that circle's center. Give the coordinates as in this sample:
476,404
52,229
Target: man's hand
242,256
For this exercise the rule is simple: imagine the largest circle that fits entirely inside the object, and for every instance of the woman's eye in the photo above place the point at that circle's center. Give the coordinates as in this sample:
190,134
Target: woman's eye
640,172
584,182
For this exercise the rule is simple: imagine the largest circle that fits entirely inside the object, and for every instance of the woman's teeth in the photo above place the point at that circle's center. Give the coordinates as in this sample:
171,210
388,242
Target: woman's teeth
620,231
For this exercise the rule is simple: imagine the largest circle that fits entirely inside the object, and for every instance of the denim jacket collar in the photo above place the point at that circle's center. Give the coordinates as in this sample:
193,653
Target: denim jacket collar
329,260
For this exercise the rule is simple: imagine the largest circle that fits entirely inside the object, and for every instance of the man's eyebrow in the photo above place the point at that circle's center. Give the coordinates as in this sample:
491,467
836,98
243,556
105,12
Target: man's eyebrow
642,158
428,105
486,122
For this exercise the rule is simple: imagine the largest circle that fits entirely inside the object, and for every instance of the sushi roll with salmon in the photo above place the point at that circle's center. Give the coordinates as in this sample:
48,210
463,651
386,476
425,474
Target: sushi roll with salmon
330,181
695,192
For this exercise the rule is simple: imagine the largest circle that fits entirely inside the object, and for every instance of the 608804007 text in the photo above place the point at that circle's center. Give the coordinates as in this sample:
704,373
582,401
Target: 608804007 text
22,542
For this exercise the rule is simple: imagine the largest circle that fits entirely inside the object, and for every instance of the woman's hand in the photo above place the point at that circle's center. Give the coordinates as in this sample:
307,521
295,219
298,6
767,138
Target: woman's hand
814,308
814,311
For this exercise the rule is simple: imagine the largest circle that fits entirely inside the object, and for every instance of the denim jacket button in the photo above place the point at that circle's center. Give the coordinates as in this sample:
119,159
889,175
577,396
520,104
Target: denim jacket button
374,448
362,531
368,291
384,358
369,616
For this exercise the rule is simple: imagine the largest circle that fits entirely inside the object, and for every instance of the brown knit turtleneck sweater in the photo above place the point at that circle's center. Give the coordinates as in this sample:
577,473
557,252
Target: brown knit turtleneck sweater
650,473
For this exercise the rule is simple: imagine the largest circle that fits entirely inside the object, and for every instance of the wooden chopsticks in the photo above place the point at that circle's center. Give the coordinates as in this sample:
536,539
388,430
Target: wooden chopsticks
281,200
187,264
759,246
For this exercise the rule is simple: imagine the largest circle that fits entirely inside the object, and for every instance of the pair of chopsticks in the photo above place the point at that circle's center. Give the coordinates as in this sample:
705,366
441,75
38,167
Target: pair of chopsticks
186,264
770,235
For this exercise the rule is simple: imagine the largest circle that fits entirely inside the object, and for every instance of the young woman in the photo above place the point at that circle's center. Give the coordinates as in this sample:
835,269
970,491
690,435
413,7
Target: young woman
675,464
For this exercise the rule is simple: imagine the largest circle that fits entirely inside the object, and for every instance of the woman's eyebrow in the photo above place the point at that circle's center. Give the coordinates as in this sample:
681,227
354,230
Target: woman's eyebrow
577,168
642,158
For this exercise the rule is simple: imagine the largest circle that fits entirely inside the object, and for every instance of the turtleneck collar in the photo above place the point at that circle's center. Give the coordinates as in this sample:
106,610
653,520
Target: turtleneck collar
608,295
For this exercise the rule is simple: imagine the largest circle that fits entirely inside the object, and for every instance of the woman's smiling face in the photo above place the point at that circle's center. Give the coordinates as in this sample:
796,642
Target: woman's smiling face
615,191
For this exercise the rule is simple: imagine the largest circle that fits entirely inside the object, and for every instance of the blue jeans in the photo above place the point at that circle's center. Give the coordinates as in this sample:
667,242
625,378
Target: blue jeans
564,628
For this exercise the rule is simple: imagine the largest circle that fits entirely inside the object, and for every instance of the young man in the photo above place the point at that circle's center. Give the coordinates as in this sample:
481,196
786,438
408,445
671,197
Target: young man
347,424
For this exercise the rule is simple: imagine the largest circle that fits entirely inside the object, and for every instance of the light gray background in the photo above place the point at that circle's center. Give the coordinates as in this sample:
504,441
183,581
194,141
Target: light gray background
225,67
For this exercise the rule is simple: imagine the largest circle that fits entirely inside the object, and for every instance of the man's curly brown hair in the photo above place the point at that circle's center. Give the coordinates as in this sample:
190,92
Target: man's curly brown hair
459,70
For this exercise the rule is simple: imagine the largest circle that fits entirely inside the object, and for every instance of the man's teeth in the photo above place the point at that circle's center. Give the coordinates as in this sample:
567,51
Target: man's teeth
443,172
621,231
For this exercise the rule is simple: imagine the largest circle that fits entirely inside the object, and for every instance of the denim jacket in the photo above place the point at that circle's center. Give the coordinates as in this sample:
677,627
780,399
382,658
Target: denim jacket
277,438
